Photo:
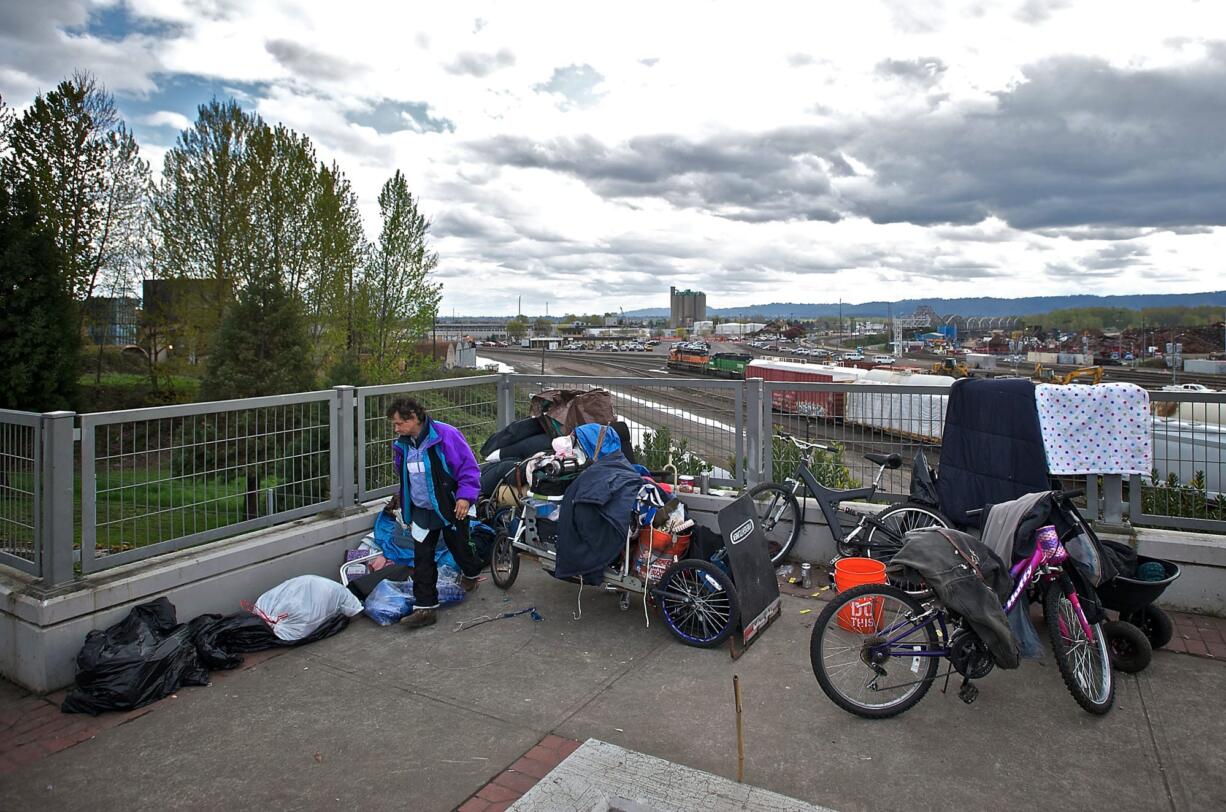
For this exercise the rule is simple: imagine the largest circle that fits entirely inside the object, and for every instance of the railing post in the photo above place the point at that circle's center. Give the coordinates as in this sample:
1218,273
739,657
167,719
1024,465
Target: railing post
1093,505
753,430
1113,499
506,400
344,486
57,498
766,401
1135,505
738,459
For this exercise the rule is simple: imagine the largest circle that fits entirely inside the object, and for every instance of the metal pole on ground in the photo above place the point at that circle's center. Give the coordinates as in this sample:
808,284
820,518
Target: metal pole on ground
740,731
56,500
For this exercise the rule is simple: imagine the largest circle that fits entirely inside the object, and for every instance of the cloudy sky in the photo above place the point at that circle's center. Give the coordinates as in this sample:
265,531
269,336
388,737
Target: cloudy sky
590,155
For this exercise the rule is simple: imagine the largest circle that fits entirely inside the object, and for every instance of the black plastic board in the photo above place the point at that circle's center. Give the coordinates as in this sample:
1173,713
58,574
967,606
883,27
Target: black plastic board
752,572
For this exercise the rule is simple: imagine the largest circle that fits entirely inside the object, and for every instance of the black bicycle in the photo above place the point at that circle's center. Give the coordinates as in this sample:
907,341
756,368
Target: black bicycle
880,536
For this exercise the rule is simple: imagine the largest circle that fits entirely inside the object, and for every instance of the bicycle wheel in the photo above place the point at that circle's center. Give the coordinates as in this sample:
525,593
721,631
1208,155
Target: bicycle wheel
698,601
898,519
780,517
863,651
504,561
1084,662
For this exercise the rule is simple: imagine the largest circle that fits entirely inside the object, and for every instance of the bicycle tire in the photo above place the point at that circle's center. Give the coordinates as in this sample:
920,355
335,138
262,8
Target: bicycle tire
783,527
899,519
698,601
832,647
1085,665
504,561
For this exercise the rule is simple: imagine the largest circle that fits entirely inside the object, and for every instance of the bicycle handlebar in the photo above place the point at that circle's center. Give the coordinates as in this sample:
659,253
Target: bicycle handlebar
801,444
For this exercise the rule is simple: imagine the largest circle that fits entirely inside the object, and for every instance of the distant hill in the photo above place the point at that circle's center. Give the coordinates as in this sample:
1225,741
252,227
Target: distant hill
984,306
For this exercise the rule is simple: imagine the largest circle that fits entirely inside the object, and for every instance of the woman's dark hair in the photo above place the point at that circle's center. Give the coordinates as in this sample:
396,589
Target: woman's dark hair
406,408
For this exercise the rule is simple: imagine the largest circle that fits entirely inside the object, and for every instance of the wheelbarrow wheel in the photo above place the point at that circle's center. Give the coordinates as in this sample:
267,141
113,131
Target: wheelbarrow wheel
1128,646
504,561
698,601
1155,623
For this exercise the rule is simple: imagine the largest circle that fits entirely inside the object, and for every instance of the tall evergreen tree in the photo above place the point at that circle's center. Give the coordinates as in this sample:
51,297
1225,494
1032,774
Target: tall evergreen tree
262,347
39,342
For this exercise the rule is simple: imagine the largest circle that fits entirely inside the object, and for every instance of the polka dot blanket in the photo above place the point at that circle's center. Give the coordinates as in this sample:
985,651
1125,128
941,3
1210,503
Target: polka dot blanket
1103,429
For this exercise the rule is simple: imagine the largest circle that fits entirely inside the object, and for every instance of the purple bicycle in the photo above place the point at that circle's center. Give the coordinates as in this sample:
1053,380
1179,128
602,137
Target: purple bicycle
876,649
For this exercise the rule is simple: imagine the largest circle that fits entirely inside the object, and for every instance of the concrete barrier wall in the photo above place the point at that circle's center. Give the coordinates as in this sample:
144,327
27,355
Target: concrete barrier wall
40,634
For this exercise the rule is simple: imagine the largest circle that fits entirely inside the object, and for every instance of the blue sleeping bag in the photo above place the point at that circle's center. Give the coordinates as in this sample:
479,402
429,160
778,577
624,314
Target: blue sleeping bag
397,544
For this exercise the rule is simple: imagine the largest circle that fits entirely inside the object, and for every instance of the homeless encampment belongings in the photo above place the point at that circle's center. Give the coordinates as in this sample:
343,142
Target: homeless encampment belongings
149,655
561,411
991,450
598,507
297,607
1103,429
970,580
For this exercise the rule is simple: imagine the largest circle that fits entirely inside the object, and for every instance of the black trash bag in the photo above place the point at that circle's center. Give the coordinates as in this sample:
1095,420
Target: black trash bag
139,660
221,641
923,482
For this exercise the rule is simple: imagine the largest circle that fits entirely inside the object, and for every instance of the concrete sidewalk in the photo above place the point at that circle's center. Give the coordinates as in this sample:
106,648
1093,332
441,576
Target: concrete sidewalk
388,719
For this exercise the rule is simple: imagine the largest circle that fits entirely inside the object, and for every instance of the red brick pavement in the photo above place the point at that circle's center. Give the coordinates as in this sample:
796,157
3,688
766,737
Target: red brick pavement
32,727
508,786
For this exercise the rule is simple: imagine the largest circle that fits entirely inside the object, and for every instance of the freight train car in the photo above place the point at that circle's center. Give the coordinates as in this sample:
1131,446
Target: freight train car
914,416
792,401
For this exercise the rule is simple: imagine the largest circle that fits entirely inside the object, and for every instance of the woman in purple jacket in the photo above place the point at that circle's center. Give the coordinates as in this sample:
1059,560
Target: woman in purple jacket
439,480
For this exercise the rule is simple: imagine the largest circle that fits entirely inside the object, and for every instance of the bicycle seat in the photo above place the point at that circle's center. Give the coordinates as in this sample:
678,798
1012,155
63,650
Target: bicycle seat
890,461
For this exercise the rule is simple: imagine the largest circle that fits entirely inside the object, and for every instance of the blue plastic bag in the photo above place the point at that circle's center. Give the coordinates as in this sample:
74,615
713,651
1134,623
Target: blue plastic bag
389,602
392,601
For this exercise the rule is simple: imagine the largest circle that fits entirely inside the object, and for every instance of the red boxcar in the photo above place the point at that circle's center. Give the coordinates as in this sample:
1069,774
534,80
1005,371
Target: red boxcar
814,404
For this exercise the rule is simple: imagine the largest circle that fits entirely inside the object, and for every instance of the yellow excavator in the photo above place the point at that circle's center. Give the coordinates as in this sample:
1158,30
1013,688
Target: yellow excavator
951,367
1086,375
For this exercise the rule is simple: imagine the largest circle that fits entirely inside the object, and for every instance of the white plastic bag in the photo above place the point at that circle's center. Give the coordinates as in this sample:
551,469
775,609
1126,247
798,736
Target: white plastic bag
297,607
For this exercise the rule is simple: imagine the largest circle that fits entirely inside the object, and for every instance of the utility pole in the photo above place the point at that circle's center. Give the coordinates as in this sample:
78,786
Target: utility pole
840,338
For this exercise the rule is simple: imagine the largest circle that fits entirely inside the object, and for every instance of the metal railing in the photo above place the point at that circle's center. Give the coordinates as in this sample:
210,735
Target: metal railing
20,468
1188,486
854,419
468,404
697,423
158,480
152,481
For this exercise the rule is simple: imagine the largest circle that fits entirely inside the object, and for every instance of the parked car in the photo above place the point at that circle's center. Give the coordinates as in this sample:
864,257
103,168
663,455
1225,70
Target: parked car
884,359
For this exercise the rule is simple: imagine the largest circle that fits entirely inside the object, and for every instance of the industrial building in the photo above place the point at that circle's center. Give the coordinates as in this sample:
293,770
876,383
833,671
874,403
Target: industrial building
686,307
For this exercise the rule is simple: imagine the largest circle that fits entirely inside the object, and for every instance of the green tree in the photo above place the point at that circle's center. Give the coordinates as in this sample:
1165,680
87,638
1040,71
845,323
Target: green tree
201,226
517,328
331,291
400,300
262,347
7,117
38,341
84,169
542,327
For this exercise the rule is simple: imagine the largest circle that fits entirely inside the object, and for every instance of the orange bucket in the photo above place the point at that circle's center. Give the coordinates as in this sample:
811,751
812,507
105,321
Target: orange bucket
861,616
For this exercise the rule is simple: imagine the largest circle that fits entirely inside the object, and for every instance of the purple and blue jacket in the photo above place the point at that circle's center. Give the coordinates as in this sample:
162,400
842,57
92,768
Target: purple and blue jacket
451,469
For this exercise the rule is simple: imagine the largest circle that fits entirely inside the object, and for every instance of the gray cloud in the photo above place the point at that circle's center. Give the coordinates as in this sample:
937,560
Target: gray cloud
1078,146
1117,256
924,71
389,116
1037,11
309,62
471,63
575,83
